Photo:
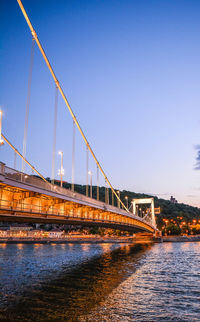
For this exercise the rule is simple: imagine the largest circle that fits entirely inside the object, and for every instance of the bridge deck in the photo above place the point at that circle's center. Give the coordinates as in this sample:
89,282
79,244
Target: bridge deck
28,198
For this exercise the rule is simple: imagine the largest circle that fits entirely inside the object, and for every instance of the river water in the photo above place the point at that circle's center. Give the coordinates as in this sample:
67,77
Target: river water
100,282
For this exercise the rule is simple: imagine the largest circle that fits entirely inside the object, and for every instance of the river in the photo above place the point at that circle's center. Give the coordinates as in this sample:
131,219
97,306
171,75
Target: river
100,282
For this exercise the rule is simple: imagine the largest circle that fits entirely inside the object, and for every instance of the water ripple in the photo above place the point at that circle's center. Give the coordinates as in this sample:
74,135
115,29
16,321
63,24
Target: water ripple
105,282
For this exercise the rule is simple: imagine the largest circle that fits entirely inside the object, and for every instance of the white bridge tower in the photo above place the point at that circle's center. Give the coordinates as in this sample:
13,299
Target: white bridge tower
145,201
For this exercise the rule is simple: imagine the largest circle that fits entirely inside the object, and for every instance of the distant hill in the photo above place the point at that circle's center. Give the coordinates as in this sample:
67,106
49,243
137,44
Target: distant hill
168,209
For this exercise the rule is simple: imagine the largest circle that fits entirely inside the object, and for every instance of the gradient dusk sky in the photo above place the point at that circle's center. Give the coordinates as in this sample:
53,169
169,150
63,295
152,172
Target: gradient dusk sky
131,72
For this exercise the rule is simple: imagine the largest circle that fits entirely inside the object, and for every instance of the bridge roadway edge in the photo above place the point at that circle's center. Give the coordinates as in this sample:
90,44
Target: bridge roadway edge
24,216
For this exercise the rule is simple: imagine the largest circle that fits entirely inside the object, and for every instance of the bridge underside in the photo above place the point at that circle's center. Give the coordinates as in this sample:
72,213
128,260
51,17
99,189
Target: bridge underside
18,204
28,218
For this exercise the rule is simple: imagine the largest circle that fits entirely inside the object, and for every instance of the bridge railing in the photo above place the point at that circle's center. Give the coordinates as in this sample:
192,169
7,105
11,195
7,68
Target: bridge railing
60,213
36,181
48,210
39,183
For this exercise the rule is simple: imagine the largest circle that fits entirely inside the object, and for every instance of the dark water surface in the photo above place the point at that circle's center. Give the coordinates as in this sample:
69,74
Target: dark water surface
104,282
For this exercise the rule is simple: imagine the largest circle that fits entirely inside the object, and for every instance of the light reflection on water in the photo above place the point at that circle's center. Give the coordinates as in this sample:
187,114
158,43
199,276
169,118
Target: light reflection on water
166,287
100,282
20,246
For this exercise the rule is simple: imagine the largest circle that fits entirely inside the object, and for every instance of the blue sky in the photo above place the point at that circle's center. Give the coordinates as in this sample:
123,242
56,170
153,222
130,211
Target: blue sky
130,70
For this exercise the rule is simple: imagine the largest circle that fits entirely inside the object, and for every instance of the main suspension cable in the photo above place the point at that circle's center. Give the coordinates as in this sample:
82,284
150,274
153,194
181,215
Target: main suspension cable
65,100
23,158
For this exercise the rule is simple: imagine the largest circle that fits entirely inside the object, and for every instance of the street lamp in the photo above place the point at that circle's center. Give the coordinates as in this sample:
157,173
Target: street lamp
1,140
61,170
126,198
90,174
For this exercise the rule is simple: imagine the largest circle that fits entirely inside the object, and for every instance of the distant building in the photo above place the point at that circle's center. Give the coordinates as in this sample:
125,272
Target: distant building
55,233
15,231
4,231
18,227
37,233
173,200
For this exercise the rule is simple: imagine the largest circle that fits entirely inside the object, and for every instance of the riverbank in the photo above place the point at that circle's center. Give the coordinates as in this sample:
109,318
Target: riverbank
180,239
65,240
130,240
80,240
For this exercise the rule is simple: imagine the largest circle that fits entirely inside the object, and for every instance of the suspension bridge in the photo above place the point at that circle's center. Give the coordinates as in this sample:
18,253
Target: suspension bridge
29,197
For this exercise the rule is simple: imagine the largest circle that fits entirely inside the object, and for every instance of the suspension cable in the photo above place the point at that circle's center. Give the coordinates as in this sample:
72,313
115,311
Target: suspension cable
54,136
87,171
97,183
28,102
65,99
73,154
105,192
23,158
15,160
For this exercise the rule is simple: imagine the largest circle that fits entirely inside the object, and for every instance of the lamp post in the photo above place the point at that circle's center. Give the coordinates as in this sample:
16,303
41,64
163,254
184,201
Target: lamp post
61,170
1,140
90,174
126,198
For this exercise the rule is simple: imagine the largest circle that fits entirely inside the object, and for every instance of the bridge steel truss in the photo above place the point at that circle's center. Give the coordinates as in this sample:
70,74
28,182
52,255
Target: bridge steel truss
26,198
